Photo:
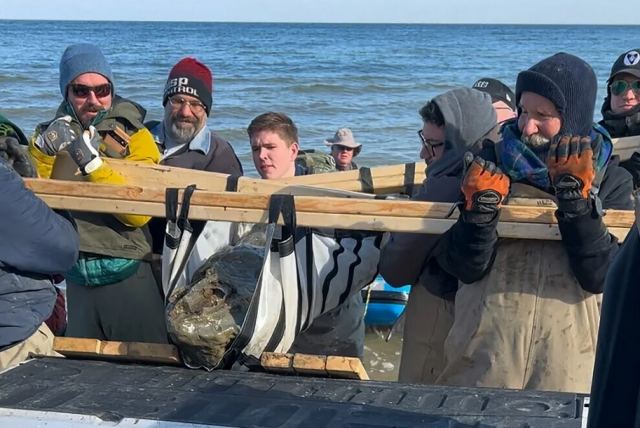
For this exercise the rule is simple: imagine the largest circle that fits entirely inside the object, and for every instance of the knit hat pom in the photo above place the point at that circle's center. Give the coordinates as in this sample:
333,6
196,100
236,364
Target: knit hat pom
190,77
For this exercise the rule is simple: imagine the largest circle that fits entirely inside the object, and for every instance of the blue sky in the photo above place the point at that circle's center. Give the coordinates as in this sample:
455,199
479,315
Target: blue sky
392,11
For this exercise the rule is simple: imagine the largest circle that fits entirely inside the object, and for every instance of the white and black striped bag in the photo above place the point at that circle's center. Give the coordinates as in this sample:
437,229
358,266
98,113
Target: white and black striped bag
306,272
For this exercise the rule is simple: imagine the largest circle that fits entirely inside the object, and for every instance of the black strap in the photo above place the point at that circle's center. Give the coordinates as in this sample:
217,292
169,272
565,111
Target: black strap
232,183
171,204
285,205
409,177
172,236
183,220
366,180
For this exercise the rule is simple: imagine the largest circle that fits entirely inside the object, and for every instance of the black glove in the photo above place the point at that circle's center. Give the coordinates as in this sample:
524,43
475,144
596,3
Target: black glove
59,134
17,157
84,153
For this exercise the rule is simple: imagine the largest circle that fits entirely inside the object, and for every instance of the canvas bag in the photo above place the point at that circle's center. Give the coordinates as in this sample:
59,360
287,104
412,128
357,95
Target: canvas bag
305,273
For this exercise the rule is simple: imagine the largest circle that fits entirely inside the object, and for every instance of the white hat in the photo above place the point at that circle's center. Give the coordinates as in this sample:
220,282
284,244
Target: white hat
343,137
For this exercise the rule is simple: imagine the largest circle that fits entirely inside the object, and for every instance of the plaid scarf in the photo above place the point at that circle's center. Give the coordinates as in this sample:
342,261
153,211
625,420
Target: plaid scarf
523,164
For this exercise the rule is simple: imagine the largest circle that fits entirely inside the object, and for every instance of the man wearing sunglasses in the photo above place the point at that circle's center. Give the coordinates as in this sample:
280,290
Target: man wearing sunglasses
453,123
621,106
112,293
344,149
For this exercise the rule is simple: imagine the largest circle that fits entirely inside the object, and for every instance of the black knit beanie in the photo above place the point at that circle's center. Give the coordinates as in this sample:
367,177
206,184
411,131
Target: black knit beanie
569,83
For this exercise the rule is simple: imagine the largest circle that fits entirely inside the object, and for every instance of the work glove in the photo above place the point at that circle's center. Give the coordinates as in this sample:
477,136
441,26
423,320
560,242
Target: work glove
58,135
17,157
571,164
484,188
84,152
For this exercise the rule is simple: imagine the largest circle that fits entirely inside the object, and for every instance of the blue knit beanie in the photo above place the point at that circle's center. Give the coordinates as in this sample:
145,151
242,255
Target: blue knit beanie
569,83
79,59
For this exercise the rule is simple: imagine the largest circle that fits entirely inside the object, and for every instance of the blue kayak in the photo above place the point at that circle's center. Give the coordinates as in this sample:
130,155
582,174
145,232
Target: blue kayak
385,303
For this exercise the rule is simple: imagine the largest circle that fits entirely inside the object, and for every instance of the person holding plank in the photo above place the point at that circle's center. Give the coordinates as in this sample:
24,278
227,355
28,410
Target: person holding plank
621,106
526,313
37,246
453,123
112,293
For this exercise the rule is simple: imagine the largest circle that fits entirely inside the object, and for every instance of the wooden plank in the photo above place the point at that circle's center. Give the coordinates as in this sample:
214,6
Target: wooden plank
346,367
625,147
112,350
276,362
386,179
83,196
306,364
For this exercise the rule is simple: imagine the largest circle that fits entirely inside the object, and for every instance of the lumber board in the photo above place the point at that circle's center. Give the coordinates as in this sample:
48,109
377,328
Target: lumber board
129,351
527,222
386,179
306,364
277,362
314,365
346,367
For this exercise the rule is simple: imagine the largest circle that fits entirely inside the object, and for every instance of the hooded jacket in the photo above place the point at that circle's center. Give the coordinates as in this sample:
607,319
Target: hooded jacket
468,118
36,243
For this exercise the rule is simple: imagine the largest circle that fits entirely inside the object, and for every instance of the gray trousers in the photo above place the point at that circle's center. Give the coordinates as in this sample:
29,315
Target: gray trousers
129,311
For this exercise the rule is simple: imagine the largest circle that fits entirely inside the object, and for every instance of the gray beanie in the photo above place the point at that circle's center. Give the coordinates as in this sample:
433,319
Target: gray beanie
79,59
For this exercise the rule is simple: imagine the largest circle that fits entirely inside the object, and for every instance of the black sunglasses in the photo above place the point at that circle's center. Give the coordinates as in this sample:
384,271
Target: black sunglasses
619,87
83,91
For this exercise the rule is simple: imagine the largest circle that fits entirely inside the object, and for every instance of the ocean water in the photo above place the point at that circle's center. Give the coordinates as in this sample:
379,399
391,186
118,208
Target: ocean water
371,78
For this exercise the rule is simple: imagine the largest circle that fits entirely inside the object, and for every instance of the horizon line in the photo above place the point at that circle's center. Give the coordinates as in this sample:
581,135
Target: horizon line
319,22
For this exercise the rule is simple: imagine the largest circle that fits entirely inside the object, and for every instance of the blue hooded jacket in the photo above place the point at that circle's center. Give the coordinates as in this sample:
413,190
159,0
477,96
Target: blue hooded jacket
35,243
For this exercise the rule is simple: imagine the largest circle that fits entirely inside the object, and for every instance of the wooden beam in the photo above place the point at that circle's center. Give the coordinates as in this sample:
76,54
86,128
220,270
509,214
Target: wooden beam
110,350
314,365
524,222
386,179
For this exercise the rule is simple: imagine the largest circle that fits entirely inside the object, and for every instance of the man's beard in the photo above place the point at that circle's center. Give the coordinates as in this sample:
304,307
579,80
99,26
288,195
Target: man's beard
182,132
537,142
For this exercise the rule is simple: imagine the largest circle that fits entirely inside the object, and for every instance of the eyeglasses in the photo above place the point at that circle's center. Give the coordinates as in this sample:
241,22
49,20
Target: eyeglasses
429,143
619,87
177,103
343,148
83,91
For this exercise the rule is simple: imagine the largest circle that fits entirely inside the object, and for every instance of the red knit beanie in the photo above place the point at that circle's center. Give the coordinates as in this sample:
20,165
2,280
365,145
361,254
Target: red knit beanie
190,77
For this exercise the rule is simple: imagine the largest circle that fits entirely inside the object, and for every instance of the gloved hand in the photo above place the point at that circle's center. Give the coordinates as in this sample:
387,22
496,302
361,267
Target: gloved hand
571,165
16,155
59,134
84,153
484,187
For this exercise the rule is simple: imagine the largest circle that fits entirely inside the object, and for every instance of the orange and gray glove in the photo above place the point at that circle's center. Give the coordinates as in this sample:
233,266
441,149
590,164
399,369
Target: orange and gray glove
571,164
484,187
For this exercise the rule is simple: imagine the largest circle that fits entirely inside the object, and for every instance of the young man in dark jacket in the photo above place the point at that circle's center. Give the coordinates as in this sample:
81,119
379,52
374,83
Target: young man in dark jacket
526,314
453,123
274,145
37,243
